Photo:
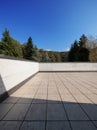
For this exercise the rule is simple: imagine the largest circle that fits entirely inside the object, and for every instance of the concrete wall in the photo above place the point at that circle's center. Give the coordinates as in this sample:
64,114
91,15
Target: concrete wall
13,72
68,67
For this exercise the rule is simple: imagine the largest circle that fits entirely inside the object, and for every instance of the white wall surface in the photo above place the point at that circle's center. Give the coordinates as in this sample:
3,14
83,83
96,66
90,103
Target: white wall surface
68,67
13,72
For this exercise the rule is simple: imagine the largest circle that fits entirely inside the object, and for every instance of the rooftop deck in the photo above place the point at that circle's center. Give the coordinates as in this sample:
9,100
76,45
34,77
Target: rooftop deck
53,101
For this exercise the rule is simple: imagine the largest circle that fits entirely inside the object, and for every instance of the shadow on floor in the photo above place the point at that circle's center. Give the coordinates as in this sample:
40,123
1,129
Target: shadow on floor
3,93
19,113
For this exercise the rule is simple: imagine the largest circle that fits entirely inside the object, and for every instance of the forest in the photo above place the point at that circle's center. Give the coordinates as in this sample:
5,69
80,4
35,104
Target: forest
84,50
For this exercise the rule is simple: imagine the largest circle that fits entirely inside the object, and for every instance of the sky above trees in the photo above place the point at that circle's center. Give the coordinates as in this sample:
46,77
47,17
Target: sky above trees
53,24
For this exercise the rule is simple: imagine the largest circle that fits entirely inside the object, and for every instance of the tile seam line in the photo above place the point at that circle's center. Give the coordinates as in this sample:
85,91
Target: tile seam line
79,103
28,109
63,106
74,97
46,105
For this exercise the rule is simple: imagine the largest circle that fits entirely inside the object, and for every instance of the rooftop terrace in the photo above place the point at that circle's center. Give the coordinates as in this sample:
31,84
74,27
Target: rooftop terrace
53,101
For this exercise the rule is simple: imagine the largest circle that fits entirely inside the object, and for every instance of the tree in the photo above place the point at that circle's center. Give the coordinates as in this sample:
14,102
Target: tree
28,49
91,42
83,41
51,56
9,46
57,57
45,57
64,56
83,54
78,51
74,52
83,51
36,55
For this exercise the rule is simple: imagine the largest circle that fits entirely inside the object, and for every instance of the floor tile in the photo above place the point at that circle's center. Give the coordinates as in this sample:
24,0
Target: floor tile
58,125
36,112
10,125
83,125
18,112
56,112
36,125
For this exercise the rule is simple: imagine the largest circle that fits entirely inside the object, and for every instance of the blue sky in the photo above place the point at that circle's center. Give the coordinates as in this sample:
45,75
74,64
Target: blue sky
52,24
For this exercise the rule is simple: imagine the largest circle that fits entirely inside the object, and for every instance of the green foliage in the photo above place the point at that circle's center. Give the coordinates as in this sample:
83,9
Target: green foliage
93,55
9,46
78,51
83,40
64,56
45,57
83,54
57,57
28,49
74,52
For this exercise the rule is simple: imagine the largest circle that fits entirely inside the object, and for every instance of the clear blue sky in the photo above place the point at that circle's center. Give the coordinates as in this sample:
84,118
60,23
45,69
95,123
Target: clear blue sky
53,24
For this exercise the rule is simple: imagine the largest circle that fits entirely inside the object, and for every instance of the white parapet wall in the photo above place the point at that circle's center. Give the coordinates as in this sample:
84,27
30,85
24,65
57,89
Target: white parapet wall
68,66
13,72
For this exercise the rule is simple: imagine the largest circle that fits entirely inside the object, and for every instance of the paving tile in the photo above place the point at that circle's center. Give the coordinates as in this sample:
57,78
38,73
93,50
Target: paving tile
95,122
17,112
92,97
56,112
30,96
75,112
9,125
36,112
91,110
52,91
54,99
85,90
82,98
58,125
28,92
68,98
74,90
82,125
11,100
63,90
24,100
42,91
36,125
40,98
4,108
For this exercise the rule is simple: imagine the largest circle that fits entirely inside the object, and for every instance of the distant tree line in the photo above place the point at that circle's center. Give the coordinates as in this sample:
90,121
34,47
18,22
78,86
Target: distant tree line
11,47
82,50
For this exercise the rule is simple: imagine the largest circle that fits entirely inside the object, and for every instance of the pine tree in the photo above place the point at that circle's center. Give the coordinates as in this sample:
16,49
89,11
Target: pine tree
9,46
74,52
83,41
28,49
78,51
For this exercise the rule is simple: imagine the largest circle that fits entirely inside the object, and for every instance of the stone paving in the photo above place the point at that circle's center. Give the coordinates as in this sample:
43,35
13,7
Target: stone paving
53,101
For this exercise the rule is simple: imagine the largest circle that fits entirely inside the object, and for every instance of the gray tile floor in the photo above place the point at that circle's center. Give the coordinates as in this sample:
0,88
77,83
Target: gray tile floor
53,101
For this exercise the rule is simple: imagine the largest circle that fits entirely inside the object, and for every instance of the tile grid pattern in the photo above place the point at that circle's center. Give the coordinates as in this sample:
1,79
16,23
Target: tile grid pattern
53,101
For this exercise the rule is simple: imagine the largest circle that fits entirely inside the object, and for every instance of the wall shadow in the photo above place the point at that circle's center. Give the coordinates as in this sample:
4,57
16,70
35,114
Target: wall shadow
3,93
43,114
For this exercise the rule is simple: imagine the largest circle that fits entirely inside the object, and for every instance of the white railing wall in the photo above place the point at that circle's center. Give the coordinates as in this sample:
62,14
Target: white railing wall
68,66
13,72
